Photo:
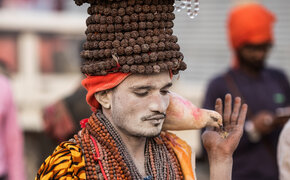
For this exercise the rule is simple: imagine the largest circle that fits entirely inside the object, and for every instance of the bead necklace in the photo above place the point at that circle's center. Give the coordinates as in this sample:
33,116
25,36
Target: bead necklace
106,156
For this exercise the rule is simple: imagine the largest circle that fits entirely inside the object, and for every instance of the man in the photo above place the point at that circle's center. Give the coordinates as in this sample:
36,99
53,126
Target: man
128,81
264,89
11,140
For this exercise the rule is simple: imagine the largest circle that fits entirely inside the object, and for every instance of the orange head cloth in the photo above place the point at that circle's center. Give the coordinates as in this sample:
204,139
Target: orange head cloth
250,23
95,84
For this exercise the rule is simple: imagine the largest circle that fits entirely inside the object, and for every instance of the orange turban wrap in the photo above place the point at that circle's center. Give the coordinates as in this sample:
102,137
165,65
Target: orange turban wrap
95,84
250,23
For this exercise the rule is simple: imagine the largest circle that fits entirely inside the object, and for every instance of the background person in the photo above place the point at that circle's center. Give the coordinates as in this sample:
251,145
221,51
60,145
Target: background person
11,139
264,89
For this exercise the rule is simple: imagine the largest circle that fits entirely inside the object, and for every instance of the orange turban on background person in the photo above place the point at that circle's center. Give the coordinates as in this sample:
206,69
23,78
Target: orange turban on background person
250,23
95,84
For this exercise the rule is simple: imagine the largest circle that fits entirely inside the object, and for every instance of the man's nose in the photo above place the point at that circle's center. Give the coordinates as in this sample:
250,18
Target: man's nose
260,54
159,103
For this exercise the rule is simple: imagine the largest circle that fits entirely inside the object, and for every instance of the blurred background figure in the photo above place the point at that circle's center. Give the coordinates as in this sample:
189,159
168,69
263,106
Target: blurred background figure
11,139
62,119
264,89
284,152
3,69
33,4
39,42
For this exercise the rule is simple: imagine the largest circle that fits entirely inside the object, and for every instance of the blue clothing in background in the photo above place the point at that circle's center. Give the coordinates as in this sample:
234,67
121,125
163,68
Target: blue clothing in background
271,90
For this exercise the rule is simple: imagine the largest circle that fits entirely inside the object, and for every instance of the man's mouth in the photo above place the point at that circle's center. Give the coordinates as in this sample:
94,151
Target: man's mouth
156,118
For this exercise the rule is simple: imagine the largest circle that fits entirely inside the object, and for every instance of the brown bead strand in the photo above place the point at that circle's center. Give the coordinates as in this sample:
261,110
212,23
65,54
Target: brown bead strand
167,172
90,163
121,148
105,159
152,160
93,152
100,131
173,156
110,167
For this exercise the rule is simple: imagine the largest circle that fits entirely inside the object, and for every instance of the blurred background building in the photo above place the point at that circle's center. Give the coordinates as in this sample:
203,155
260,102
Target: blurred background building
40,43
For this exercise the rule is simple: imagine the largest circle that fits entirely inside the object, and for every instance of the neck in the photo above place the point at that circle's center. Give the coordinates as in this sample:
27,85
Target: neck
135,146
249,71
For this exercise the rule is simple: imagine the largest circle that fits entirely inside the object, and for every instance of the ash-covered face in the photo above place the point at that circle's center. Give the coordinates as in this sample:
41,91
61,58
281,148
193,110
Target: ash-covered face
139,104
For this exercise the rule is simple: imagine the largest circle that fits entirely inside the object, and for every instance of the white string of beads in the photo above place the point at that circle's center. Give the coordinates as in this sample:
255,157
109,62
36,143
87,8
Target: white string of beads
191,7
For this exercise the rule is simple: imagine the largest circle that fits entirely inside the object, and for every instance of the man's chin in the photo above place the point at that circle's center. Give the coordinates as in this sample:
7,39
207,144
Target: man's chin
150,133
257,67
154,134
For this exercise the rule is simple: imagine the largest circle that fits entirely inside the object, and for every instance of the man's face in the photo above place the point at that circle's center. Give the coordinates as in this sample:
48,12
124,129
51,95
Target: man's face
139,104
253,56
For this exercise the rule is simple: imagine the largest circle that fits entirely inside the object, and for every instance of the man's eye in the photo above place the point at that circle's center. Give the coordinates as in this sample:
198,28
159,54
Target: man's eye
141,94
164,92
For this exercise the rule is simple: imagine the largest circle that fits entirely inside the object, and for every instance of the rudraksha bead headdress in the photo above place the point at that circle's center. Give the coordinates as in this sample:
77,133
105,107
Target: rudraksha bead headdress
130,36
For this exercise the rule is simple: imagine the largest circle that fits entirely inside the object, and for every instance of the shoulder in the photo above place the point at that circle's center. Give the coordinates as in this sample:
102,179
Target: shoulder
6,95
4,83
217,86
217,80
183,153
283,152
66,162
3,79
177,144
280,77
286,133
276,72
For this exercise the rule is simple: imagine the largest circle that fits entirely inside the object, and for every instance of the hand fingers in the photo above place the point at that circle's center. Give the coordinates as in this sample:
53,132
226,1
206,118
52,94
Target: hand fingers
242,116
228,109
219,106
236,109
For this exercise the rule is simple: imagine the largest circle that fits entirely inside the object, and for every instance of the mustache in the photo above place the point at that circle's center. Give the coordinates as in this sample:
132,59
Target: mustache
154,117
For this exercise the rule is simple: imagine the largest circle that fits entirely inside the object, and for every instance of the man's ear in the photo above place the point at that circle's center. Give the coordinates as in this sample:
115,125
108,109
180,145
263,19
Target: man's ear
104,98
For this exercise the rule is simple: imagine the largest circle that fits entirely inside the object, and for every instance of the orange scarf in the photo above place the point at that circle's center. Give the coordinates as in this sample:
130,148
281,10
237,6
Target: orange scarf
95,84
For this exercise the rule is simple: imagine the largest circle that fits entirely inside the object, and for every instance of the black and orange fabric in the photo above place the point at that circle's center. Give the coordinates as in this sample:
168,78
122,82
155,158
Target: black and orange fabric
67,161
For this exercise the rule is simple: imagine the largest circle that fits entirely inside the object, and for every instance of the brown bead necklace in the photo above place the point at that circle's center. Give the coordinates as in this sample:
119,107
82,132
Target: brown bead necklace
107,157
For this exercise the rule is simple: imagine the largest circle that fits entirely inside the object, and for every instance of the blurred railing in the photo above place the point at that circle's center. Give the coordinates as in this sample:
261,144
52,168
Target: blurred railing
32,88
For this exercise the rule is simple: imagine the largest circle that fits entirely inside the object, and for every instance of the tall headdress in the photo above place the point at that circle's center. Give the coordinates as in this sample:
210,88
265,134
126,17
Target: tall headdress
130,36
